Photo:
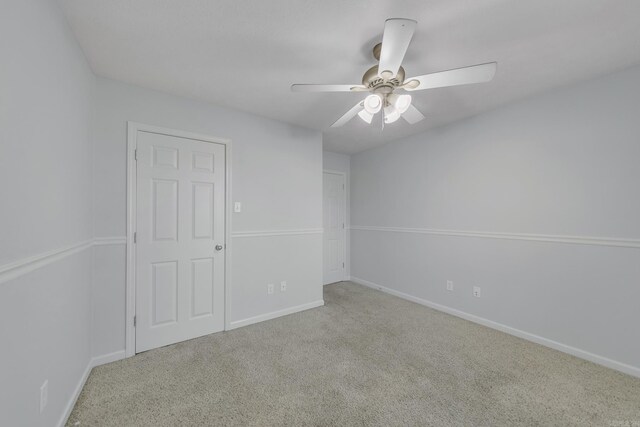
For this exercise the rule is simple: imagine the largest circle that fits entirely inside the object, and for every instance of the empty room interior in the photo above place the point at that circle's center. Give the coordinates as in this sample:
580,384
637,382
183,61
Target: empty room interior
329,213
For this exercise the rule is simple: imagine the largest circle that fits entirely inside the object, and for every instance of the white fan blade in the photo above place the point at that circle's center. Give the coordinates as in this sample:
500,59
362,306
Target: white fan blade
412,115
459,76
349,114
327,88
395,41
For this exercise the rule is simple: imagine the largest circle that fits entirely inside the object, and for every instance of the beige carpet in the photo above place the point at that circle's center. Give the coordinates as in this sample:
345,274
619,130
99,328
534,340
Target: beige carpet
365,358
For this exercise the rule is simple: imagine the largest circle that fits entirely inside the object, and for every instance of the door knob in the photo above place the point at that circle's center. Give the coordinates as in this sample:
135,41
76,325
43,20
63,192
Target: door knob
218,247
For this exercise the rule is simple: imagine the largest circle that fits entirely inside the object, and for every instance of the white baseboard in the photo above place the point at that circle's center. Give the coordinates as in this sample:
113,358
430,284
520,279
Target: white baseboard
344,279
96,361
274,314
75,395
601,360
107,358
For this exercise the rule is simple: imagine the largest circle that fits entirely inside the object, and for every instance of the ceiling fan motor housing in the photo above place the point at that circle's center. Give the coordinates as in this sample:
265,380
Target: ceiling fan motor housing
377,84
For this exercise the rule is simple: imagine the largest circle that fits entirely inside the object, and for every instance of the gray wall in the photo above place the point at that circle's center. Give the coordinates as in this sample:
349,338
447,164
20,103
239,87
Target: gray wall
276,174
46,105
562,163
63,162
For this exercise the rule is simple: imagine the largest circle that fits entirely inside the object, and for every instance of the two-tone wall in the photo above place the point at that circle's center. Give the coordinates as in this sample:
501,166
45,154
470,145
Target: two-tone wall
537,203
276,175
46,221
63,215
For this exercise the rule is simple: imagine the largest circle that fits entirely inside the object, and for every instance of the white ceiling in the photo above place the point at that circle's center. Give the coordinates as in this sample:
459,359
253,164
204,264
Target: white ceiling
246,54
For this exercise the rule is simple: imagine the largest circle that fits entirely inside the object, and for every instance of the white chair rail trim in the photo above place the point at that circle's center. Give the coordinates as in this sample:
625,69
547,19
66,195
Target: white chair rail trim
269,233
26,265
104,241
575,240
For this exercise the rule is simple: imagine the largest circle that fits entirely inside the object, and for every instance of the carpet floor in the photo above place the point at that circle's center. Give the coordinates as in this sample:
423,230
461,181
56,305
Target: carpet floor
364,359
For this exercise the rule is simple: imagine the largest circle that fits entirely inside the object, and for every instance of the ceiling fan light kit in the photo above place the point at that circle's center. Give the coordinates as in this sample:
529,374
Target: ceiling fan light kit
384,79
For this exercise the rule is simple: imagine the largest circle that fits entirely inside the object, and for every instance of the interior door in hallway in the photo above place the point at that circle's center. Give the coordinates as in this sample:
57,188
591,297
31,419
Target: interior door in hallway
180,239
334,244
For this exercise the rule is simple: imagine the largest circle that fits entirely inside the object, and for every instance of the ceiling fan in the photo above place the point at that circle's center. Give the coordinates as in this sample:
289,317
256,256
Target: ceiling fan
388,76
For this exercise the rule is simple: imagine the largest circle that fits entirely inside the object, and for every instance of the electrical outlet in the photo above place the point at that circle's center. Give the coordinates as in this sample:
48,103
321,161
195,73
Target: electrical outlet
44,395
283,286
476,291
449,285
270,288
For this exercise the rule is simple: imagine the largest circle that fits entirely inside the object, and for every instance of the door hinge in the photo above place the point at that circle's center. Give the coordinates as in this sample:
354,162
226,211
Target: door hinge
135,237
343,265
135,154
134,321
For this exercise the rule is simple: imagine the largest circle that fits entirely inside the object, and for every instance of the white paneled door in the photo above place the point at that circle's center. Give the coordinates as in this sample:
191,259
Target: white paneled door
180,239
334,227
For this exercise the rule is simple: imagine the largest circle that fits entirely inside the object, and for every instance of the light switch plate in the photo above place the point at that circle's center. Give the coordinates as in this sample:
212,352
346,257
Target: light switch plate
237,207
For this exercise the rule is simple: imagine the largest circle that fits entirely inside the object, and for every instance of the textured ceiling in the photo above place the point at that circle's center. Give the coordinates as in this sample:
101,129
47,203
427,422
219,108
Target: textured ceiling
245,54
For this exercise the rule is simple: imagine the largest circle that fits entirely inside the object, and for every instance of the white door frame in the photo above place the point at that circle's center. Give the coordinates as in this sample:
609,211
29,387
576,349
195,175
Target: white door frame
347,257
130,311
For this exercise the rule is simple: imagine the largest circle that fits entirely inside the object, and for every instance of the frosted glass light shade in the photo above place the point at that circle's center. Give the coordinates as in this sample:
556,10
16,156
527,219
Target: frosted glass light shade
372,104
366,116
401,102
391,114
